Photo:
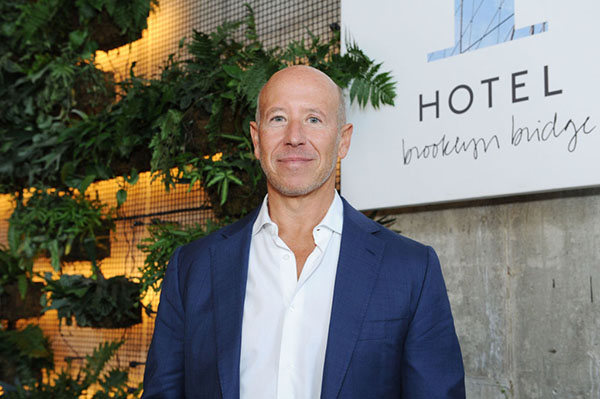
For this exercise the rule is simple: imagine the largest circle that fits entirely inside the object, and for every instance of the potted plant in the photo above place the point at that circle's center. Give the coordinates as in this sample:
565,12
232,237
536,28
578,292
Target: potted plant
57,222
23,354
95,301
19,296
108,24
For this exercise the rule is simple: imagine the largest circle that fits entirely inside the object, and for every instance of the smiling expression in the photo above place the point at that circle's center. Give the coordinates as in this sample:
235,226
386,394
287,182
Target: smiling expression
299,137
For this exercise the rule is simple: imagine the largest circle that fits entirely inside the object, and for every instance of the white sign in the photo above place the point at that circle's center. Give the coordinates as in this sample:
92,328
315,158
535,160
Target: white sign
495,97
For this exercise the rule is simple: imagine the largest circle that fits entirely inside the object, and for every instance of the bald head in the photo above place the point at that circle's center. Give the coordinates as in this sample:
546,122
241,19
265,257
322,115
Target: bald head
308,74
302,133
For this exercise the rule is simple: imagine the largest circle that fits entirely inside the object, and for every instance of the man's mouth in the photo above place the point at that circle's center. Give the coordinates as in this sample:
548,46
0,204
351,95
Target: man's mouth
294,159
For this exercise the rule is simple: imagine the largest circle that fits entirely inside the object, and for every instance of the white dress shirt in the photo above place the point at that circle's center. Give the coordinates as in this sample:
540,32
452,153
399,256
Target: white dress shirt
286,319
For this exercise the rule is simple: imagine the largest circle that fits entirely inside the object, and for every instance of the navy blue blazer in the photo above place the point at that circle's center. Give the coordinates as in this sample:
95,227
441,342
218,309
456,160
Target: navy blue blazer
391,332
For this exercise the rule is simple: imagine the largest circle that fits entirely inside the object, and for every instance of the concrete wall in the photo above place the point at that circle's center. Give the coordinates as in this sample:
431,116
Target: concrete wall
521,276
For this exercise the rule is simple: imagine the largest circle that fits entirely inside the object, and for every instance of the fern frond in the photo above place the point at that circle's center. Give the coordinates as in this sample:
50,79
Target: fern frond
95,363
251,34
114,385
359,90
256,76
37,15
383,90
201,47
368,84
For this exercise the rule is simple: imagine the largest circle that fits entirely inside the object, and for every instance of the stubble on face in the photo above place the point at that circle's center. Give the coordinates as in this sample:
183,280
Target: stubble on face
273,161
297,191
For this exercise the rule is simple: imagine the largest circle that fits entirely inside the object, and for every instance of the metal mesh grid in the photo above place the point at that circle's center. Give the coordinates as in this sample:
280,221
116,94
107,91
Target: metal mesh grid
278,23
146,202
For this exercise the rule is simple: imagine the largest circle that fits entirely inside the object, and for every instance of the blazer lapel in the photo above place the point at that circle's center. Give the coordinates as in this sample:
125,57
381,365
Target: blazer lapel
358,267
229,268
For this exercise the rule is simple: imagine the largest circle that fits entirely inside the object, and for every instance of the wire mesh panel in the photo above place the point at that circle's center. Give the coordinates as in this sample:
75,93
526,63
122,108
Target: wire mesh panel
278,23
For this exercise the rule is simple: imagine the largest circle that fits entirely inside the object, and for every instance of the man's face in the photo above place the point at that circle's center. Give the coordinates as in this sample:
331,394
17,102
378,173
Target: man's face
299,140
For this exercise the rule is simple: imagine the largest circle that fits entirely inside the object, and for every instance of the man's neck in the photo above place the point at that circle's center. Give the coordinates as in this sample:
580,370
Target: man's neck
300,213
296,217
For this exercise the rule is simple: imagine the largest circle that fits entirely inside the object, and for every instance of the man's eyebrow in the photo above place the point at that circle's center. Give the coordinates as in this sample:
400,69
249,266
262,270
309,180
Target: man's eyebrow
274,109
315,111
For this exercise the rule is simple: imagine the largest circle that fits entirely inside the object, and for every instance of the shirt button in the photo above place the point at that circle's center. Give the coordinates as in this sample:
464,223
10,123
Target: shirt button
286,257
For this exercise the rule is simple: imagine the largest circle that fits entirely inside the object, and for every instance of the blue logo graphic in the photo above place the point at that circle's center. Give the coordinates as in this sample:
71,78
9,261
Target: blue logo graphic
483,23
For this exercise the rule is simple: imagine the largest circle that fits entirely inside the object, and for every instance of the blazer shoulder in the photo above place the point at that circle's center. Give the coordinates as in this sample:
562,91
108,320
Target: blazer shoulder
393,240
199,248
405,244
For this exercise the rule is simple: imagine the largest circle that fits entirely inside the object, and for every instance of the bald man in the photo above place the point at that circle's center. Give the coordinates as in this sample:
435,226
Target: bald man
305,297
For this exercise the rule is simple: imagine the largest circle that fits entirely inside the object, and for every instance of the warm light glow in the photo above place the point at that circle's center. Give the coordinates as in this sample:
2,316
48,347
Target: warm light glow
146,197
216,157
158,41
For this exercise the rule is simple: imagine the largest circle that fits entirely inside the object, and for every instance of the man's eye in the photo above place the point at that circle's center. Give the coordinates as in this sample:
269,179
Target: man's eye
314,119
277,119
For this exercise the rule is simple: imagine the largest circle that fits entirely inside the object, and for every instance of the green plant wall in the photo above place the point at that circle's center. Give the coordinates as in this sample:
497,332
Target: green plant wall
67,124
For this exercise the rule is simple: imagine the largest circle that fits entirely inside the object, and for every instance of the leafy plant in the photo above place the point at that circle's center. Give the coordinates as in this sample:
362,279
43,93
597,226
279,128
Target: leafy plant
23,354
121,138
14,269
103,24
164,239
174,125
235,172
55,222
353,69
19,296
49,82
71,383
39,101
94,302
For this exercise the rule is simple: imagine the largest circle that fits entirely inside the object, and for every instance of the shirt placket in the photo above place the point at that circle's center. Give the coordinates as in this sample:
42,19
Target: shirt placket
290,375
287,373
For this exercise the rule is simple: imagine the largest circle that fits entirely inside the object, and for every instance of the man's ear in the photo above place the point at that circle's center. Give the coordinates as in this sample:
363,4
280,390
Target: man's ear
346,136
254,135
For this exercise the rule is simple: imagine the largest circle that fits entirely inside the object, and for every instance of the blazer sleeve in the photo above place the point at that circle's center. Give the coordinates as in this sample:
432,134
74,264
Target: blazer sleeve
164,374
432,362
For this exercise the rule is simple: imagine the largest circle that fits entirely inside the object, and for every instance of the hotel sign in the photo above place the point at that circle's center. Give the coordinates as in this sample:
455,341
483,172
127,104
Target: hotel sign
494,98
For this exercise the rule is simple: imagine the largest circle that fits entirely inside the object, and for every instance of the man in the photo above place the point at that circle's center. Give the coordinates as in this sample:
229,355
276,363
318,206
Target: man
305,297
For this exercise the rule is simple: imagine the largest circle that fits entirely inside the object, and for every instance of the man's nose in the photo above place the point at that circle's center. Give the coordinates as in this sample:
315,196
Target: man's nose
295,134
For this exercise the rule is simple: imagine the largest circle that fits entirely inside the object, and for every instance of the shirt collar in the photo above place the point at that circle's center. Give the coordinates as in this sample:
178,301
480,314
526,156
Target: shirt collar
333,220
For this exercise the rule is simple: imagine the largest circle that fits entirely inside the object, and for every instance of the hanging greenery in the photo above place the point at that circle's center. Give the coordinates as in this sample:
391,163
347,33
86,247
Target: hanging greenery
198,109
74,382
23,355
164,239
57,222
48,80
94,302
96,24
14,269
19,295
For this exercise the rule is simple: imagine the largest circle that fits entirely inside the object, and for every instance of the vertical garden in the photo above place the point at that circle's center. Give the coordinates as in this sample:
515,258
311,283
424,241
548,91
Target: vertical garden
69,128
